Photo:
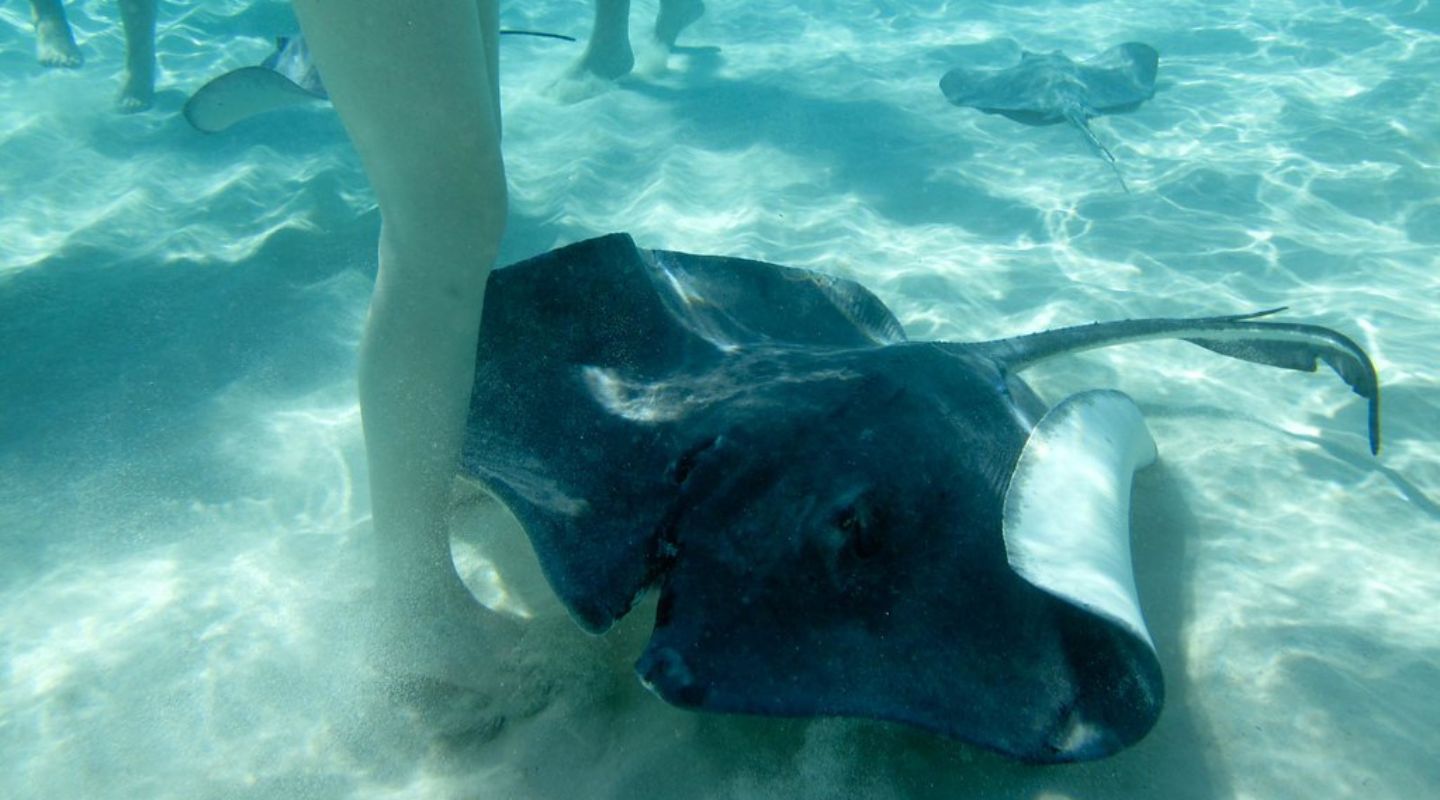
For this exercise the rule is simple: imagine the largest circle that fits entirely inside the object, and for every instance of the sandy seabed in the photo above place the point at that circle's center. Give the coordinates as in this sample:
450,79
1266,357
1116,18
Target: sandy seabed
184,524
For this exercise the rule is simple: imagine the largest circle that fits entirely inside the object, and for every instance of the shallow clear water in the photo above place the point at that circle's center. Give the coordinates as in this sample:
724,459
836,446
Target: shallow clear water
183,513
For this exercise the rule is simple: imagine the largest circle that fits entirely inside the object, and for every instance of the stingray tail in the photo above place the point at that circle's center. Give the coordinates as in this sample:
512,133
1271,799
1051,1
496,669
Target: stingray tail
1278,344
1079,121
541,34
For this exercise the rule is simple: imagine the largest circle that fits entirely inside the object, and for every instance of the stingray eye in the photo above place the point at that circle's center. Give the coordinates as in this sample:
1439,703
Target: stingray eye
685,463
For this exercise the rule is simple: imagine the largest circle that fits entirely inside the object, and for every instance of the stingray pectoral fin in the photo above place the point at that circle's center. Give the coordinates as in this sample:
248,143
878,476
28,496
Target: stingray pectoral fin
1277,344
1067,508
991,92
242,94
1066,525
959,85
1121,78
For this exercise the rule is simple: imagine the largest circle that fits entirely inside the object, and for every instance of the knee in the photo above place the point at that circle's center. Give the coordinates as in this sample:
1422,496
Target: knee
469,196
438,226
444,162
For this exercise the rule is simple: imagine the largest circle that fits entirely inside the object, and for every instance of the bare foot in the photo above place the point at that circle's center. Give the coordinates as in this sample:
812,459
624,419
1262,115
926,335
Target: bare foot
442,634
460,668
605,59
55,45
595,72
574,87
137,93
675,16
592,75
607,54
137,87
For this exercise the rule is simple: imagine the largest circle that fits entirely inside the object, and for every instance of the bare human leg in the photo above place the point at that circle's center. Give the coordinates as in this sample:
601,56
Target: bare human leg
674,17
137,88
417,89
54,43
607,54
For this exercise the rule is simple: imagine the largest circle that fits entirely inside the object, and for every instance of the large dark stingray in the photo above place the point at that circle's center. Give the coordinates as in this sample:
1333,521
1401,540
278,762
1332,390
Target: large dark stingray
1047,89
840,521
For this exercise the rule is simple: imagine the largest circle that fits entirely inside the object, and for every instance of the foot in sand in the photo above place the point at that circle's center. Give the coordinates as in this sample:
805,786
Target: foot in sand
675,16
137,92
441,633
608,55
460,668
137,86
54,43
55,46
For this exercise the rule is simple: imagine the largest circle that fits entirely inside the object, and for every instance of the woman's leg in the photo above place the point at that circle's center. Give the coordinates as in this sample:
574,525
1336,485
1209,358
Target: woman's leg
674,17
607,53
54,43
137,88
416,86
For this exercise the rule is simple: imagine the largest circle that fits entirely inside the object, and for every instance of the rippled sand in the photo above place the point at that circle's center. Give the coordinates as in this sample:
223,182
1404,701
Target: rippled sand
183,515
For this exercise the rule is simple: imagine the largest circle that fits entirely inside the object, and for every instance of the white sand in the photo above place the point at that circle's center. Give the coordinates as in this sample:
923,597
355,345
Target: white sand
183,515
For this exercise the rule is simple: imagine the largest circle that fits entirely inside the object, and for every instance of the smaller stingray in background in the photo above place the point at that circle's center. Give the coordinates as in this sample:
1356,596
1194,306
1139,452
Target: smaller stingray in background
288,77
839,520
1047,89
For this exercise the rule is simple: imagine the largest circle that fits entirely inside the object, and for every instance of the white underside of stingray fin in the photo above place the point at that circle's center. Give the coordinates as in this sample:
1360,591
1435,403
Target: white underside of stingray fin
1067,510
241,94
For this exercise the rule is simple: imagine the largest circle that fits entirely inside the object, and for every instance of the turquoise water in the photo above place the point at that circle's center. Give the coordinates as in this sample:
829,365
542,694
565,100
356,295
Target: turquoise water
183,514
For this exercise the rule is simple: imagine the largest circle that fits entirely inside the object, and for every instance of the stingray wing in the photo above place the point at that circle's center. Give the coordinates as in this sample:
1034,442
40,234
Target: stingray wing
875,571
595,365
292,59
1023,93
989,90
287,77
241,94
1041,89
735,301
1121,78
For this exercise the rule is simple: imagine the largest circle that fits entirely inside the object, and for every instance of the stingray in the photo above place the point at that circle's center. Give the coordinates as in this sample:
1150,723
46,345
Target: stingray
838,520
1048,89
287,77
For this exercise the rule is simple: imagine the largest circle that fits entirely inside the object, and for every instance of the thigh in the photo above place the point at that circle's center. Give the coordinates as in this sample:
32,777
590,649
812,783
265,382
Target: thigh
415,84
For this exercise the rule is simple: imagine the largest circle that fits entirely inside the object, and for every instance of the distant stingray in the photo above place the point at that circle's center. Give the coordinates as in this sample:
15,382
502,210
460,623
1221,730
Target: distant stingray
1046,89
839,521
287,77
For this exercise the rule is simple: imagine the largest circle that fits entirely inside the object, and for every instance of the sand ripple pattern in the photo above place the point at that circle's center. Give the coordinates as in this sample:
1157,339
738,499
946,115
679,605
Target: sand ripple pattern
184,525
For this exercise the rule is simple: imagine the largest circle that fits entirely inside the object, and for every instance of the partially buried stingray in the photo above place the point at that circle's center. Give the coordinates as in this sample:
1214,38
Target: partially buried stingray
839,521
1047,89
